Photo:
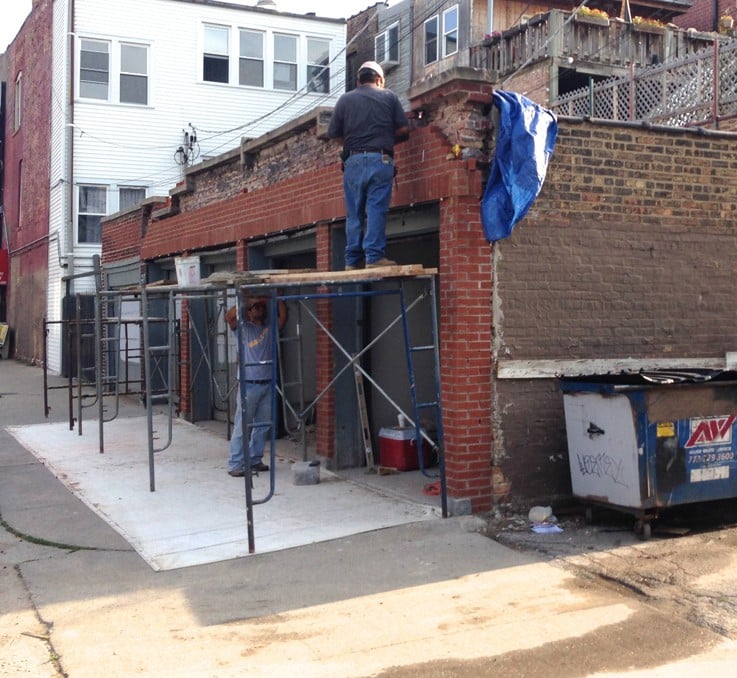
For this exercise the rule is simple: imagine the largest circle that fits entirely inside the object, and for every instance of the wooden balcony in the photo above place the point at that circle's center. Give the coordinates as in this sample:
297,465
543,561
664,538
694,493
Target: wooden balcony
599,47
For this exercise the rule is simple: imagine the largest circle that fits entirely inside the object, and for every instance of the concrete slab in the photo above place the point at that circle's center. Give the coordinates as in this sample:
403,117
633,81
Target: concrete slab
424,599
197,513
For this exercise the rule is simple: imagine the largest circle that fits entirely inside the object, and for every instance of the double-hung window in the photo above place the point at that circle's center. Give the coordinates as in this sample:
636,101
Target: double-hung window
133,74
450,31
114,71
92,207
431,40
441,37
94,69
266,58
386,45
285,61
215,62
318,69
251,63
130,196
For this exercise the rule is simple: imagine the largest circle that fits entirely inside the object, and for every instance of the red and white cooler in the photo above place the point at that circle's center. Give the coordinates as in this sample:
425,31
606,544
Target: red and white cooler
398,449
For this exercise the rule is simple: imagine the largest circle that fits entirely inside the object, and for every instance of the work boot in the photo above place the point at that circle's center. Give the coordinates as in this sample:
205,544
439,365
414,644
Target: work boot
381,262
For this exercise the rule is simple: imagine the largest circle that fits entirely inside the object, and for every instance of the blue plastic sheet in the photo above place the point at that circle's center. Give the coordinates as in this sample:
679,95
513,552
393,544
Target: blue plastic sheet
525,142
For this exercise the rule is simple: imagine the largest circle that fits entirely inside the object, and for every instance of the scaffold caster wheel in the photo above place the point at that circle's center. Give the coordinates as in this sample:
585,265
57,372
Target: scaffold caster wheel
643,529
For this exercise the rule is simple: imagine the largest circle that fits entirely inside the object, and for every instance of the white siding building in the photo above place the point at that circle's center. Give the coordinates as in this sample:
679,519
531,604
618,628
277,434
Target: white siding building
141,89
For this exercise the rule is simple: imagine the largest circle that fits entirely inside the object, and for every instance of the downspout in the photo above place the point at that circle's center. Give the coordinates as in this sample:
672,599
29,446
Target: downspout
490,15
69,132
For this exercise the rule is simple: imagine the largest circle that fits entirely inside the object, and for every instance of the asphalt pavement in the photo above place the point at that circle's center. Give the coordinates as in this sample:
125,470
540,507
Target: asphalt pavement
433,598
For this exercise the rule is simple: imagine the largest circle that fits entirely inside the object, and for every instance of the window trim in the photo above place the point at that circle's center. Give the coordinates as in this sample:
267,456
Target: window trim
18,102
295,64
441,34
79,213
128,43
446,32
436,20
299,66
80,68
385,38
127,187
227,54
325,76
21,195
242,58
115,72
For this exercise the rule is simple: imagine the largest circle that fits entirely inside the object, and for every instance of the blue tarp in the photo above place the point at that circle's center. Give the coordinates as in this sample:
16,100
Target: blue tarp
525,142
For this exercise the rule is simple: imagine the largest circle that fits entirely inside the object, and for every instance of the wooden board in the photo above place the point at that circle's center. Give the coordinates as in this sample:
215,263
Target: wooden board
291,276
361,275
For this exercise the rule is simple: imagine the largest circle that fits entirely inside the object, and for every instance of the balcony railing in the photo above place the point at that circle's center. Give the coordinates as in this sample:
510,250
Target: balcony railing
560,35
697,90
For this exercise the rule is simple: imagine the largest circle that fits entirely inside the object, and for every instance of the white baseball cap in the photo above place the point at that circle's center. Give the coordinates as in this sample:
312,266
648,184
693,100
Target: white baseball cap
372,66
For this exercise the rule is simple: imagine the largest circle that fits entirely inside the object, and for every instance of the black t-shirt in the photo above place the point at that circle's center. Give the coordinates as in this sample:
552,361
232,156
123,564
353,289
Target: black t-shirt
366,118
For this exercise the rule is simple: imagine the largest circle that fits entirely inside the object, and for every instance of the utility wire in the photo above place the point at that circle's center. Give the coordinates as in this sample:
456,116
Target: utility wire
409,29
406,30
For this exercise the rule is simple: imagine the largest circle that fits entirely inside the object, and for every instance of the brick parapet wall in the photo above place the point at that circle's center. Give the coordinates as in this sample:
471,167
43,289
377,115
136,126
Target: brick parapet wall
122,233
249,214
423,174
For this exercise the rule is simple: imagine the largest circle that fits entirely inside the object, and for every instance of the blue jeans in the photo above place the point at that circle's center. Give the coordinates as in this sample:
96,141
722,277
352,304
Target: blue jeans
367,185
258,411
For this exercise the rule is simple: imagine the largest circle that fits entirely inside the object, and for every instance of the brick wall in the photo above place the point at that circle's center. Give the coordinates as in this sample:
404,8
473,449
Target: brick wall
122,239
535,82
361,30
27,154
325,356
626,253
701,14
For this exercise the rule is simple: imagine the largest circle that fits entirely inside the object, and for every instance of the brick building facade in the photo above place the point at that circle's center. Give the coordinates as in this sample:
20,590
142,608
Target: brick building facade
27,158
626,255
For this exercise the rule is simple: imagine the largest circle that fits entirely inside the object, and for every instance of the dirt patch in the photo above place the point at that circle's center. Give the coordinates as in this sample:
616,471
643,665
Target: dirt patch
688,566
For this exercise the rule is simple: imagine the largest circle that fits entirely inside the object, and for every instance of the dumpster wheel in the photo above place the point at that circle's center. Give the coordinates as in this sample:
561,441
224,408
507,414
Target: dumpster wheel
643,529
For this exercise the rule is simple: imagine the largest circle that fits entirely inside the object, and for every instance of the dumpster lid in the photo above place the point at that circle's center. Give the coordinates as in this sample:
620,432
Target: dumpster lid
643,378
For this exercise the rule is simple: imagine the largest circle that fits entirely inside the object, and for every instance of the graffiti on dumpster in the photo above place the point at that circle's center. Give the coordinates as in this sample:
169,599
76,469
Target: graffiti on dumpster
603,466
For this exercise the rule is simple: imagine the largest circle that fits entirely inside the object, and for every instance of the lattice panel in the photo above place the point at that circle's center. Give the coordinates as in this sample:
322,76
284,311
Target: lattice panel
666,94
727,81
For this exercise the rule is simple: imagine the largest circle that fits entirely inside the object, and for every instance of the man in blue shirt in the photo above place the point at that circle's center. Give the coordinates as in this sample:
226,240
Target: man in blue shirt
257,353
369,119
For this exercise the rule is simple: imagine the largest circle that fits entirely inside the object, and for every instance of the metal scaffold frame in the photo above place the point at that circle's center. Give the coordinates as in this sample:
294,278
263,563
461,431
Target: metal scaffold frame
160,322
282,290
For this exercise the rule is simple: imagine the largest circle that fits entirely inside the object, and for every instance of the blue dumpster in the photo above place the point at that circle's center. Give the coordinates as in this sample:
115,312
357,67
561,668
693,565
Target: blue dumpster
644,442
